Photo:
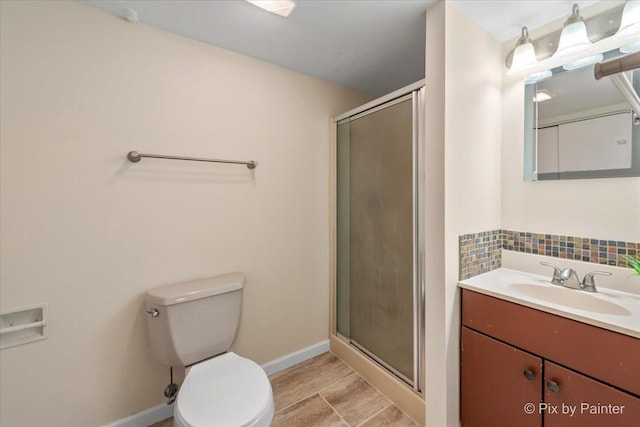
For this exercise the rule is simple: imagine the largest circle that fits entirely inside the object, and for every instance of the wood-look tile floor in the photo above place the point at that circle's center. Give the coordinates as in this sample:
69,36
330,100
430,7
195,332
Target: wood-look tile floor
324,392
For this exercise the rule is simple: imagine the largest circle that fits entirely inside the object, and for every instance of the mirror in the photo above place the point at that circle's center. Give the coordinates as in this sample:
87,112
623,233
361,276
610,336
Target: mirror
578,127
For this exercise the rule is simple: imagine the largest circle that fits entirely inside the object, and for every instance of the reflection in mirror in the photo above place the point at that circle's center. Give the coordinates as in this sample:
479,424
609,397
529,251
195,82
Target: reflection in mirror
580,127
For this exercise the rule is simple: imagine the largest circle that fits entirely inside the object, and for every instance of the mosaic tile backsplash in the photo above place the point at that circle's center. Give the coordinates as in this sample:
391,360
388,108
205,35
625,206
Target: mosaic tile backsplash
480,252
569,247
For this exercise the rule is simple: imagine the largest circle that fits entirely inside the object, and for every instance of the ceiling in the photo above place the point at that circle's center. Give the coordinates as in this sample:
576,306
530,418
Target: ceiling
375,46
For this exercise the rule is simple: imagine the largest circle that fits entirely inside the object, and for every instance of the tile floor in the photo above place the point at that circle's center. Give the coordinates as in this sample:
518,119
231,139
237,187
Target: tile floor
324,392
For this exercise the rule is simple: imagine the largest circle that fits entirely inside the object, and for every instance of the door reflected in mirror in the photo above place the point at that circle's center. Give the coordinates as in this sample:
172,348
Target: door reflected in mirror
579,127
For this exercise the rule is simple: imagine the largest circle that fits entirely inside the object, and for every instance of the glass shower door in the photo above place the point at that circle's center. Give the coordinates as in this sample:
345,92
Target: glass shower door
375,234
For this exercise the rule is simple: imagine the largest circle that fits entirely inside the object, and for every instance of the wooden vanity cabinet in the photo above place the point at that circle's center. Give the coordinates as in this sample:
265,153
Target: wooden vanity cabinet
605,405
489,369
524,367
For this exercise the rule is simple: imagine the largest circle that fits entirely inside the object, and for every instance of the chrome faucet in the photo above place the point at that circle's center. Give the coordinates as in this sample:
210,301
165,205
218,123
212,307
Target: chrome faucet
557,274
588,283
569,278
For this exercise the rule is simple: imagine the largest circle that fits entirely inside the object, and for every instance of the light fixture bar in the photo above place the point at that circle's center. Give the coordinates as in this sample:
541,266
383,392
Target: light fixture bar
599,27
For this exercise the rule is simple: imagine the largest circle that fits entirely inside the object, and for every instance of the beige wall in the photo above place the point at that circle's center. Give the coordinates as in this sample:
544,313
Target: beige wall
435,392
472,161
482,136
88,232
599,208
470,132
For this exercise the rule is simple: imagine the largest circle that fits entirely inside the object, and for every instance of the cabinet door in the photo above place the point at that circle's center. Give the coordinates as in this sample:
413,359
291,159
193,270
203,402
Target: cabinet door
498,382
579,401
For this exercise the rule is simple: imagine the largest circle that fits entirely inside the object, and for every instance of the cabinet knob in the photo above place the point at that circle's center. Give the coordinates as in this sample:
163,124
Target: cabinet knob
529,374
553,386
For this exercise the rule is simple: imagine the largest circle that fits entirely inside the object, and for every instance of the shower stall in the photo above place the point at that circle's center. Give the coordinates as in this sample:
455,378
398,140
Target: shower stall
379,297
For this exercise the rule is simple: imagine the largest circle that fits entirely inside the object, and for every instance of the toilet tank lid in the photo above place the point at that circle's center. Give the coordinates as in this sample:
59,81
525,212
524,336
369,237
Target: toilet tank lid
177,293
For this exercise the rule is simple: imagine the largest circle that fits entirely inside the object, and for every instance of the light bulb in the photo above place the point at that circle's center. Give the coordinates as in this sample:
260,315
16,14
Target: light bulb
584,62
630,22
524,55
573,38
631,48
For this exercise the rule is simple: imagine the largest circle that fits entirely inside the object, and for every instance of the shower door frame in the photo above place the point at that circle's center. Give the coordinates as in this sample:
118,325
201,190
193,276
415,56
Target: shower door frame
415,92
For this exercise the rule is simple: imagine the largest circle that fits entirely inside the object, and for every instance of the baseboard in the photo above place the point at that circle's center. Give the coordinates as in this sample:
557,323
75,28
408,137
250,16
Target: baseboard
161,412
288,360
145,418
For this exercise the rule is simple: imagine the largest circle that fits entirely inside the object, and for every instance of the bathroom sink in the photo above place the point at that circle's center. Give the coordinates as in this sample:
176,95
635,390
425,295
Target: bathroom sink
611,309
573,298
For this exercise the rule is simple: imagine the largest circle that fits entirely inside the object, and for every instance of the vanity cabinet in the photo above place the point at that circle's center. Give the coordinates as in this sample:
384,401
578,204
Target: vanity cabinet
524,367
488,369
586,402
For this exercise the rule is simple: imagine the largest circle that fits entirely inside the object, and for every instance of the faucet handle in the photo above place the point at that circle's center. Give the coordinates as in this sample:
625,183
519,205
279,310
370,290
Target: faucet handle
589,284
557,273
567,273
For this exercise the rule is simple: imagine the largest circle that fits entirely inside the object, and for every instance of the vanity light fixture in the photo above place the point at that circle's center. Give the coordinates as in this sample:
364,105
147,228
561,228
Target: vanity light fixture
571,47
630,22
524,55
279,7
573,38
631,48
630,27
584,62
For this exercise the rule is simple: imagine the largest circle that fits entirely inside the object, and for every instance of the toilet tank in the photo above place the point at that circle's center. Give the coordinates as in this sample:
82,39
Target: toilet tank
195,320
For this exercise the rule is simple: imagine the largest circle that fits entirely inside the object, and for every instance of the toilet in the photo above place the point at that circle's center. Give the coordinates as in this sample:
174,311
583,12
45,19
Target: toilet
193,324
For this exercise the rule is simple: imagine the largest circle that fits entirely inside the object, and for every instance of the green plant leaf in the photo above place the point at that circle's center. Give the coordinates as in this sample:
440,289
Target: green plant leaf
634,264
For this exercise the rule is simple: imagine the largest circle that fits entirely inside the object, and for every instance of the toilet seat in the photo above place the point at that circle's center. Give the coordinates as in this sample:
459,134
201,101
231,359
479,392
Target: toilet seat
226,391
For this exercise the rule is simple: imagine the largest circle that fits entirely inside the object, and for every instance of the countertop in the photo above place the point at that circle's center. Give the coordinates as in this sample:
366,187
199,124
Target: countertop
500,283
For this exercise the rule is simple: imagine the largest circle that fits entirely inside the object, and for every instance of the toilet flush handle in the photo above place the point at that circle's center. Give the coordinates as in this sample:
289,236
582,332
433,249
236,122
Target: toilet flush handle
153,312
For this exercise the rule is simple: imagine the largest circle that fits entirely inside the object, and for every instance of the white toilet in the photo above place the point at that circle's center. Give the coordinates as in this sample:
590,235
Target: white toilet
194,324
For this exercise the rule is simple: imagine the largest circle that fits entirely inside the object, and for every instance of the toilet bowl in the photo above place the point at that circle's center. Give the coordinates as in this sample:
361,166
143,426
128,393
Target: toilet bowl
227,390
194,324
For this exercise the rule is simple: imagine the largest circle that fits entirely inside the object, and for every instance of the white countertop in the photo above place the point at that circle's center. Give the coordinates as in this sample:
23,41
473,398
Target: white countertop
613,310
